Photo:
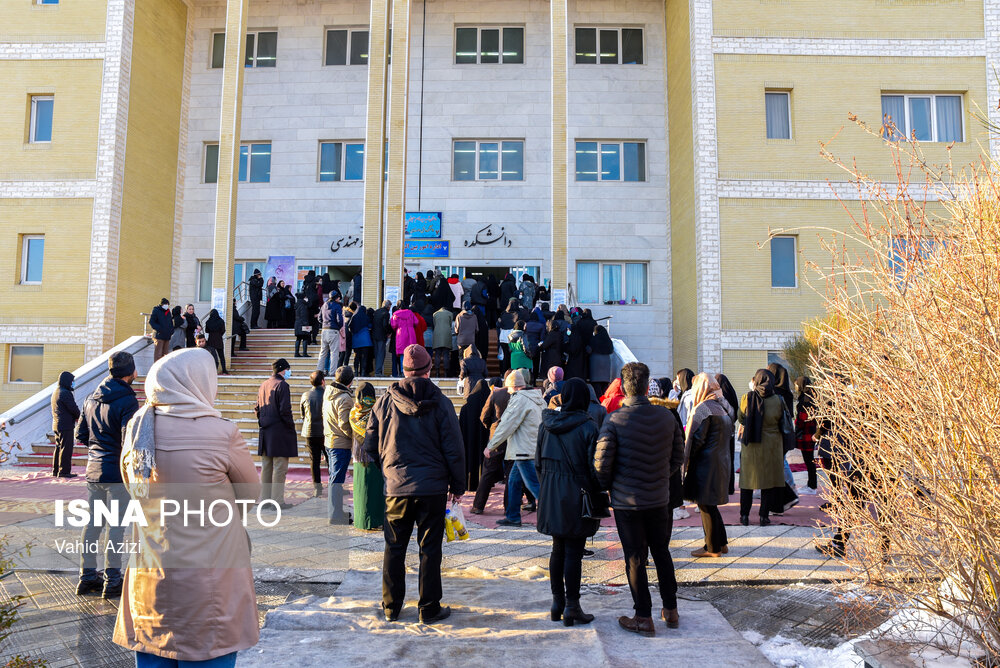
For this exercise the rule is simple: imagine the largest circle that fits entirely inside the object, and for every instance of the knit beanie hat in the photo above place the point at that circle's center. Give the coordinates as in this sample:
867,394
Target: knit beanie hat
416,360
121,364
280,365
515,380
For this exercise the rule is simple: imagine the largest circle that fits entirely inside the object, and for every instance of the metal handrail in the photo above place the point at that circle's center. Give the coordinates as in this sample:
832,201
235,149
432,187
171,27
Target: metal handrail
608,318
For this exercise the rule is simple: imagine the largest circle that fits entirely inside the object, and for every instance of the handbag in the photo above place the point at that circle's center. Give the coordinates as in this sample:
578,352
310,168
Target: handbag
594,504
788,439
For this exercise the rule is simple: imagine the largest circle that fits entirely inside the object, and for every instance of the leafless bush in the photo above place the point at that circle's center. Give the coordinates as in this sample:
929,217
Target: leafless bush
907,372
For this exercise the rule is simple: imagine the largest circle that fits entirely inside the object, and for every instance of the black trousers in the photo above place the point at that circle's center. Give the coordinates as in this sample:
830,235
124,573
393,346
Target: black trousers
254,313
361,356
566,566
493,472
401,513
303,341
810,462
645,532
62,456
221,350
317,456
769,499
714,527
243,343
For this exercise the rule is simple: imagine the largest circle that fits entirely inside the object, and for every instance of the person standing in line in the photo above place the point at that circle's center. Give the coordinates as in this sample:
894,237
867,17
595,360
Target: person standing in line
474,434
190,597
761,458
471,370
526,291
193,327
272,287
787,497
404,323
550,353
256,284
311,410
163,328
466,326
337,405
566,445
505,326
360,328
613,397
443,324
287,305
519,428
331,316
276,441
215,327
303,326
65,413
707,464
240,329
494,468
369,497
519,358
733,401
414,436
381,330
639,448
179,337
346,344
601,351
684,379
805,428
105,414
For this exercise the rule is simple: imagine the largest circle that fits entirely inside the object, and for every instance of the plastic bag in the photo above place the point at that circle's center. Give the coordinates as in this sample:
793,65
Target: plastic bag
454,523
460,387
500,354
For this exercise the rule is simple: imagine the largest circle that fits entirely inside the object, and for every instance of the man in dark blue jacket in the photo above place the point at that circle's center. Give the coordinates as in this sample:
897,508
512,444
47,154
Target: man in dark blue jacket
102,427
163,328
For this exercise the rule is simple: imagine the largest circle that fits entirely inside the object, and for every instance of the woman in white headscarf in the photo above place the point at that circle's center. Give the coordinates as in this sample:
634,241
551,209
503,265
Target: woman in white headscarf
188,593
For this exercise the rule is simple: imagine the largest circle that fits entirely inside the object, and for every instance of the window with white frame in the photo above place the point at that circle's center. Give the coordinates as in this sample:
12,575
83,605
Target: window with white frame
46,2
25,364
609,46
255,163
492,45
346,46
262,49
924,117
610,161
342,161
488,160
242,271
205,281
32,258
777,108
612,282
784,262
40,122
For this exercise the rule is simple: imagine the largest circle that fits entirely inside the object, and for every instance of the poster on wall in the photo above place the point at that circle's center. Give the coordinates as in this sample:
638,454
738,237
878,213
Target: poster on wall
282,267
558,297
219,301
424,249
422,225
392,293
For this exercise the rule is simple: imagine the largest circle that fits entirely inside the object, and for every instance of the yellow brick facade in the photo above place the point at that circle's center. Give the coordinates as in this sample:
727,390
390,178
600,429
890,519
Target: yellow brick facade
78,21
56,358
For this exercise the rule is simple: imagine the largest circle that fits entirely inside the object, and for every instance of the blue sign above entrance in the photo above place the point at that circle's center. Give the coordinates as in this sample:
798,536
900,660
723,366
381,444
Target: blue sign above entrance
426,248
423,225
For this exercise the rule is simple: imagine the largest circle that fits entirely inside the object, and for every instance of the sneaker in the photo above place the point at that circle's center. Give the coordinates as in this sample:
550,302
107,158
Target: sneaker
442,614
113,588
475,511
681,513
390,615
528,508
507,523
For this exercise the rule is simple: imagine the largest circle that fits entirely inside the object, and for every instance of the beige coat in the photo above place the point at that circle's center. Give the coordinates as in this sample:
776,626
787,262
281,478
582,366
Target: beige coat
519,425
189,592
337,405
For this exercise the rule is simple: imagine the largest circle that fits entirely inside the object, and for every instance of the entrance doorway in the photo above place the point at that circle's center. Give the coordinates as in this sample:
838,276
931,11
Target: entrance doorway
498,272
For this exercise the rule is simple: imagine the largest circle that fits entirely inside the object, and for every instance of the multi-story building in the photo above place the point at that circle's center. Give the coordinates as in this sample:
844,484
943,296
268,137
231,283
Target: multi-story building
635,153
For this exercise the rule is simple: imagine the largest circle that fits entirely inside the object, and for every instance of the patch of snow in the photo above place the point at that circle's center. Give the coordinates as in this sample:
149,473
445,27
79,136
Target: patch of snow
788,653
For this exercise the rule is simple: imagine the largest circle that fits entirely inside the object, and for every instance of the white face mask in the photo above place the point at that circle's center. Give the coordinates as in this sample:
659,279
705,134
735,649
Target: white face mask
751,386
166,307
288,374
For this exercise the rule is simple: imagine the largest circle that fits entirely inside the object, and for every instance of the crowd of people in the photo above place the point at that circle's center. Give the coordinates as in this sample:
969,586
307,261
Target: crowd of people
176,329
577,444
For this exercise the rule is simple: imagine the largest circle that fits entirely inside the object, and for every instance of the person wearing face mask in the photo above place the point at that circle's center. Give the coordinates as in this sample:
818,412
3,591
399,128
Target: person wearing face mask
65,413
277,439
163,328
102,425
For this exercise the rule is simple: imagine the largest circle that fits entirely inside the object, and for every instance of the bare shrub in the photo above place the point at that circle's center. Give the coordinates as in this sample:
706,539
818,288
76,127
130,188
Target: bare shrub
907,373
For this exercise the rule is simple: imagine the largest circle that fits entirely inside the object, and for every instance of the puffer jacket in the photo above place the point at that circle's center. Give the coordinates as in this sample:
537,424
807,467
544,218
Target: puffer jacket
311,410
566,444
337,405
65,412
413,434
102,426
519,425
640,447
404,321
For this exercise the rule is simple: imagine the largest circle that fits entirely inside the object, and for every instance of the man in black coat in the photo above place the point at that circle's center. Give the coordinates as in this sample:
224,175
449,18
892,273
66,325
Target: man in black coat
414,436
640,447
276,440
102,427
380,335
65,413
256,284
163,328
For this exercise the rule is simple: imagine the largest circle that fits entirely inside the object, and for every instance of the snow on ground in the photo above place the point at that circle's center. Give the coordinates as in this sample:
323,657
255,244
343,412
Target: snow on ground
788,653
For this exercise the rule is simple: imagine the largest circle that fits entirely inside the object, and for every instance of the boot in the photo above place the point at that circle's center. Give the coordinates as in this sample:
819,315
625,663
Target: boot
670,616
641,625
112,583
574,614
317,489
745,520
558,605
91,580
335,506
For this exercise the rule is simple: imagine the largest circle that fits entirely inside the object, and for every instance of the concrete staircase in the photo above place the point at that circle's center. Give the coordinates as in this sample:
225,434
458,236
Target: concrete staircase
237,392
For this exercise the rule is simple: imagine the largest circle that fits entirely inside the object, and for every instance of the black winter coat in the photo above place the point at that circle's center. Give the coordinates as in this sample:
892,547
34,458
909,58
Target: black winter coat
566,446
302,317
274,417
65,412
256,284
640,447
162,323
102,427
471,371
413,434
380,325
508,291
708,464
215,331
551,351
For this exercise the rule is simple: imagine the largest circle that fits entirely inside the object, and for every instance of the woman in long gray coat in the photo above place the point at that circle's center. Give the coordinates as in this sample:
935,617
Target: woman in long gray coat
762,457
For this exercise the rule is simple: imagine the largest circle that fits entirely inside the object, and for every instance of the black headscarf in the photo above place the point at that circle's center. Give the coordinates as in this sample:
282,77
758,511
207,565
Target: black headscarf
763,382
359,321
728,391
575,396
665,385
782,386
178,319
806,398
601,343
684,378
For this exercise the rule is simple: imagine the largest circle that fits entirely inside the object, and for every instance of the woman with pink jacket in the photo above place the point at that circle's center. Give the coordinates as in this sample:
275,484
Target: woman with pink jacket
404,322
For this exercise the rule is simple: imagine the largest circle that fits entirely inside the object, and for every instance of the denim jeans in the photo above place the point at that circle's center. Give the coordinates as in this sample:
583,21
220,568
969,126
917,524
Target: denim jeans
106,492
397,365
379,357
522,472
340,461
144,660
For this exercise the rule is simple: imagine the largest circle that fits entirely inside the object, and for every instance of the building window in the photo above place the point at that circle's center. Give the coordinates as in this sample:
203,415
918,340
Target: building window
610,161
32,258
262,49
616,46
211,163
341,161
25,364
777,105
936,118
612,282
218,50
46,2
488,160
242,271
255,163
345,47
784,266
40,124
489,46
205,281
